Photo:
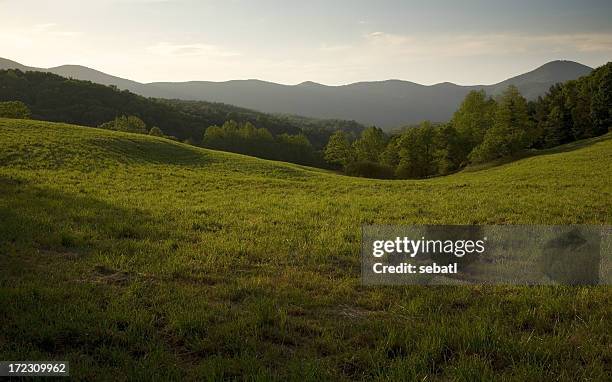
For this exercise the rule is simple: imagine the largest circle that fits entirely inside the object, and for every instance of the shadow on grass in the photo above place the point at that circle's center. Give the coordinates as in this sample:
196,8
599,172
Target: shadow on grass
33,218
566,148
155,151
55,303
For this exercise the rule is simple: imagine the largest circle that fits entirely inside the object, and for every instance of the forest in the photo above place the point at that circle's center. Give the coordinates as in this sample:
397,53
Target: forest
54,98
483,129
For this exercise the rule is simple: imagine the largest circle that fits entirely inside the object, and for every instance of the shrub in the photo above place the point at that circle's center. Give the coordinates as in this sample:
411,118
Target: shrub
156,131
14,109
368,169
130,123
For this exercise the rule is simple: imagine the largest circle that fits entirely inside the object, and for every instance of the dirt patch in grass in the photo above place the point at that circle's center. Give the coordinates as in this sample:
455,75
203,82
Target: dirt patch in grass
105,275
352,312
69,255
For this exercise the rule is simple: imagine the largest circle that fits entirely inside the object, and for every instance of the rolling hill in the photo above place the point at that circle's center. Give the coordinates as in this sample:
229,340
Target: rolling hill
386,104
139,258
52,97
80,73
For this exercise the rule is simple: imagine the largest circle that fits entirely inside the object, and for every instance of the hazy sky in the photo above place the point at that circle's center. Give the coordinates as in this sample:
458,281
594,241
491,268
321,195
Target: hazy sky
331,42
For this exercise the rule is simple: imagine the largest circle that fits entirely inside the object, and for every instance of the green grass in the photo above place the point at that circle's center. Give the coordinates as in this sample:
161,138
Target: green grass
140,258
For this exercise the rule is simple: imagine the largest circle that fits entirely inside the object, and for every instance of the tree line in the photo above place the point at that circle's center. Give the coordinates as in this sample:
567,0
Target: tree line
483,129
247,139
232,136
316,130
51,97
133,124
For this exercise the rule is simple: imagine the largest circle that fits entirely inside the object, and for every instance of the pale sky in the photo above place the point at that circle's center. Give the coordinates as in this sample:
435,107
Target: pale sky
330,42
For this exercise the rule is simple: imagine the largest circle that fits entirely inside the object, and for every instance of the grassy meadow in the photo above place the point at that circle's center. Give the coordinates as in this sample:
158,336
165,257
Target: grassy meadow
139,258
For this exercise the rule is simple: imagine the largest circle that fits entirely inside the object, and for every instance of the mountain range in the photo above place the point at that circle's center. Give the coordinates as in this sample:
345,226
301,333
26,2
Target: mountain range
387,104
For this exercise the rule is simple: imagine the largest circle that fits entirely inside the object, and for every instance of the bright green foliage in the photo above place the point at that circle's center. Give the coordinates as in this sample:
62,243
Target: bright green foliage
369,146
139,258
129,123
338,150
14,109
449,151
416,152
390,155
241,138
135,124
482,130
512,129
363,157
250,140
472,120
295,149
55,98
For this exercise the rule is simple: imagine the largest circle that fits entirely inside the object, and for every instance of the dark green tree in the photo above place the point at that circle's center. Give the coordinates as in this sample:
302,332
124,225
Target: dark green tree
511,132
390,155
473,118
449,152
369,146
247,139
156,131
416,152
338,150
601,99
556,126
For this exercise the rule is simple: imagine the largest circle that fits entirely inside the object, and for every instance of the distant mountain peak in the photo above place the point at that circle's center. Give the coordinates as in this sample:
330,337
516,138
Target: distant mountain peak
559,70
445,83
550,73
386,103
564,63
10,64
310,84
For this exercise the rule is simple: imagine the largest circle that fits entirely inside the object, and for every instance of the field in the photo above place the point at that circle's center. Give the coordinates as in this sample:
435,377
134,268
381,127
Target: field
140,258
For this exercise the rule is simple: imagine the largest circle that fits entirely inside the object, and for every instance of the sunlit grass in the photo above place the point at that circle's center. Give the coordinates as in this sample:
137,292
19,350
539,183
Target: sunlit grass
138,257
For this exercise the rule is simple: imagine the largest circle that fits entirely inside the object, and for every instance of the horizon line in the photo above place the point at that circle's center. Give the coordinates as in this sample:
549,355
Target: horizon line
305,82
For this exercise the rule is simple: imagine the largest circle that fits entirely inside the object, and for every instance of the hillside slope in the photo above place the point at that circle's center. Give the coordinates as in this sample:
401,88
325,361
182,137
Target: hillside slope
536,82
51,97
142,258
386,104
80,72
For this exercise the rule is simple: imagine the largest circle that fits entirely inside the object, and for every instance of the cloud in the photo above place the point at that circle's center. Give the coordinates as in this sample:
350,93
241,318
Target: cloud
39,35
51,29
43,27
335,48
594,42
490,44
461,58
144,1
182,50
